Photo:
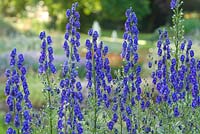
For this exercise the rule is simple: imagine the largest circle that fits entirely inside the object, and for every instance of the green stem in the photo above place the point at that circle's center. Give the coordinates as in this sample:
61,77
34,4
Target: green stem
121,125
95,94
177,35
50,107
50,114
49,98
65,124
14,114
69,76
138,117
72,116
95,115
95,101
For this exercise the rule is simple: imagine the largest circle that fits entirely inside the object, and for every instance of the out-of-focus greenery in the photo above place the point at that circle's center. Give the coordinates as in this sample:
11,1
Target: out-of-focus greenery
13,7
113,10
103,10
110,13
6,28
191,25
3,126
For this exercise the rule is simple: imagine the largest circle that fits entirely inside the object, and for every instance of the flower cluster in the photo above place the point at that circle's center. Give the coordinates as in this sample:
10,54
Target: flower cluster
190,68
175,85
46,69
16,97
161,75
72,36
127,104
46,58
71,95
173,4
98,74
128,91
176,76
98,68
168,81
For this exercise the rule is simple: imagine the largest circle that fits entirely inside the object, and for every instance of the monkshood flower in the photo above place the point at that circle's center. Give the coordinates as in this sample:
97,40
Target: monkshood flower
131,91
17,96
167,77
72,36
176,112
47,70
173,4
178,27
11,131
46,58
171,78
98,74
161,75
196,100
175,77
130,56
192,77
128,81
71,95
188,73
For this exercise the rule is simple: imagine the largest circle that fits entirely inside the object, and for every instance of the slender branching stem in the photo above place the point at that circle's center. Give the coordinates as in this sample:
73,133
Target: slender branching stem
50,106
95,96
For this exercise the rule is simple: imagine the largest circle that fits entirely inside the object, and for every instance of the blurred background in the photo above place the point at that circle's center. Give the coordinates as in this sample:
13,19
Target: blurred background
22,20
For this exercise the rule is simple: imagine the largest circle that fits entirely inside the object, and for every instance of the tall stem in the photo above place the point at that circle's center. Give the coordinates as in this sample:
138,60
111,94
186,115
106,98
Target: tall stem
50,107
121,125
95,113
138,118
70,109
177,36
14,114
65,124
50,114
178,29
95,96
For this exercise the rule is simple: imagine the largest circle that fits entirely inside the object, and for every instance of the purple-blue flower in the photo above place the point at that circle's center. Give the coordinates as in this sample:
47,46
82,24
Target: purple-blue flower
17,98
46,58
176,112
71,94
110,125
173,4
